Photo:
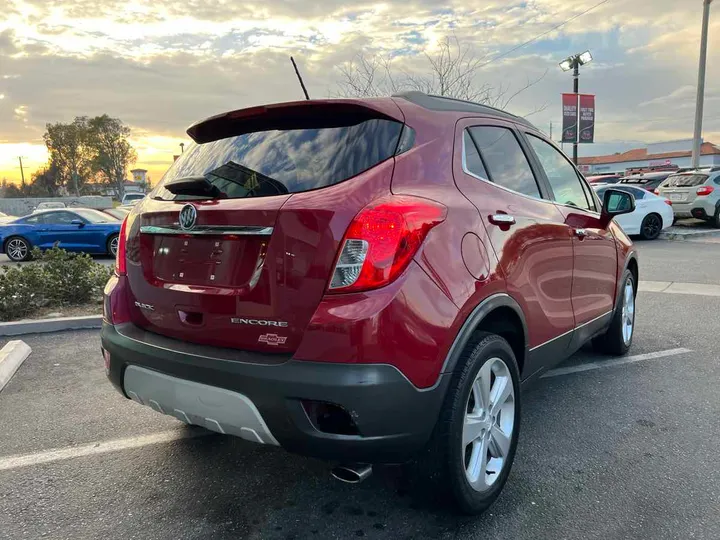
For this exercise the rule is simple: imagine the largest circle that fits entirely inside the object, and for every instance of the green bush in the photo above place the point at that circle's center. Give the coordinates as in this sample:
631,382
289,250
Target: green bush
55,278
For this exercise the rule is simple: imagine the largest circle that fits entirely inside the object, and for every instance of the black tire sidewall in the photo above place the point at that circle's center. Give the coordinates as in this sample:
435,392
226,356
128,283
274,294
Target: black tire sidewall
716,218
27,244
472,501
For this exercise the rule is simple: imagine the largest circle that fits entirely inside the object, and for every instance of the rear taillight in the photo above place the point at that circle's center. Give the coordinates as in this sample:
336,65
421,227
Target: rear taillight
668,202
704,190
381,241
656,191
120,262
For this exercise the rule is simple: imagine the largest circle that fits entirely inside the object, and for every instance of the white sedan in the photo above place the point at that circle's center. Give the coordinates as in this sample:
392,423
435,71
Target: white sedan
652,214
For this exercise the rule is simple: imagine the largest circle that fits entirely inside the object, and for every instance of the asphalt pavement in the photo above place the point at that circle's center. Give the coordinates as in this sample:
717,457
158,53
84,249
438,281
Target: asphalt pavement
615,451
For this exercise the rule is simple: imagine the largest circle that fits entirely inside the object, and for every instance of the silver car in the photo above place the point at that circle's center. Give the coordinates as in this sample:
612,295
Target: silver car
694,194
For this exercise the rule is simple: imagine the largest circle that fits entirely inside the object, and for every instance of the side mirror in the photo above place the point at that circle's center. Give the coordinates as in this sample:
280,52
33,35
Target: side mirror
78,222
616,203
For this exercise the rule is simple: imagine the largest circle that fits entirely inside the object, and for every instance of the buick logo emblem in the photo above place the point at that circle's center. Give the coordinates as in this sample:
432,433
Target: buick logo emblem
188,217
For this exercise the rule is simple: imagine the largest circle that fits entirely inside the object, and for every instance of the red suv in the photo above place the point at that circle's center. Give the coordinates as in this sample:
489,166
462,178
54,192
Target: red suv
367,281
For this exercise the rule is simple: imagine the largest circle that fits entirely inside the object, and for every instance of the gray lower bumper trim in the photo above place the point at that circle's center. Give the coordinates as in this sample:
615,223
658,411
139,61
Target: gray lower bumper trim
213,408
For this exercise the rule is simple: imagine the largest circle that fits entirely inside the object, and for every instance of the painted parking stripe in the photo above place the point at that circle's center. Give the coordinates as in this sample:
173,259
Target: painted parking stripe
611,363
92,449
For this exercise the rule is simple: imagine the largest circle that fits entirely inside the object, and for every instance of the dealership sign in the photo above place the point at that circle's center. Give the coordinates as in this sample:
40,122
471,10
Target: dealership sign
578,118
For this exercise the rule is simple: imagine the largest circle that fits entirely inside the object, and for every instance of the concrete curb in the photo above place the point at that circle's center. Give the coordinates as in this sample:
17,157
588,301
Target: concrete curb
12,356
40,326
690,235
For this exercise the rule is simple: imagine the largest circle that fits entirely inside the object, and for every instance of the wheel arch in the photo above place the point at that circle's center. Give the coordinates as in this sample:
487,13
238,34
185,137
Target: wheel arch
499,314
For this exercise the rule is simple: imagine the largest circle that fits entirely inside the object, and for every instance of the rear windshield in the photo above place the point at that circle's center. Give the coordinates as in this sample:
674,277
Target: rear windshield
686,180
278,162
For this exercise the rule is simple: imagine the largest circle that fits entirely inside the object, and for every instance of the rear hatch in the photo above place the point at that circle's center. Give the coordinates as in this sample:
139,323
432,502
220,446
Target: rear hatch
246,267
682,188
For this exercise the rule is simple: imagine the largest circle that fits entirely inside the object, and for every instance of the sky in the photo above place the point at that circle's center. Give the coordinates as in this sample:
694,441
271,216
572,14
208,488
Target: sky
159,66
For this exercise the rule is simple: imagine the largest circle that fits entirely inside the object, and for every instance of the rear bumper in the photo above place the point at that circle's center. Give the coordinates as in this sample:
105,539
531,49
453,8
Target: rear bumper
700,208
394,418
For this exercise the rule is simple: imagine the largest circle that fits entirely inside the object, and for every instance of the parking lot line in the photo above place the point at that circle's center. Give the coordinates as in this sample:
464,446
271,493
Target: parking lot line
611,363
95,448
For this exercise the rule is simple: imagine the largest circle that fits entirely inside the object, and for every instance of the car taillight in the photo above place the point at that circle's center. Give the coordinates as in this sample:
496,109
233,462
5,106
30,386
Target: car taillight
704,190
120,262
668,202
656,191
381,241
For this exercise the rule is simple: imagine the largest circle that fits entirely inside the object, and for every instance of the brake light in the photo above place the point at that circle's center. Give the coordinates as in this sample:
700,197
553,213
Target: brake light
120,259
381,241
656,191
704,190
668,202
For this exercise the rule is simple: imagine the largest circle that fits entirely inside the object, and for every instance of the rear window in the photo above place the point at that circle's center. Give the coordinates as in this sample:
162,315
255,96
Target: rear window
686,180
279,162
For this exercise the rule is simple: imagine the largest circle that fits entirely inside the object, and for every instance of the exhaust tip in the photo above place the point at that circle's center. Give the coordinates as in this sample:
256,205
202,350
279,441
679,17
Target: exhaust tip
351,474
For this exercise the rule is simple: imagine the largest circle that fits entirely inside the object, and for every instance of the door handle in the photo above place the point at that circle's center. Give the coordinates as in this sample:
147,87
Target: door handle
580,233
502,219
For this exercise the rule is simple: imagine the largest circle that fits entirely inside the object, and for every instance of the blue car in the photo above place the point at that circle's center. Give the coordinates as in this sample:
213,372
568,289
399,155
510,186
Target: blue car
76,229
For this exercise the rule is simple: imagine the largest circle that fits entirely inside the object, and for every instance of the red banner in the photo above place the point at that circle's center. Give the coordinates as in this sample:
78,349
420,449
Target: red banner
570,116
587,118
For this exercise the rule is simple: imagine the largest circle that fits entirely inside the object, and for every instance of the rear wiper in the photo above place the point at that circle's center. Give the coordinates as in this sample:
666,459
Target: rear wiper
195,186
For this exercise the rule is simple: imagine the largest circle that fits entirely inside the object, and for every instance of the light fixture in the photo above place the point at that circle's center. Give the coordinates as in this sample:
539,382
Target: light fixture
567,64
585,58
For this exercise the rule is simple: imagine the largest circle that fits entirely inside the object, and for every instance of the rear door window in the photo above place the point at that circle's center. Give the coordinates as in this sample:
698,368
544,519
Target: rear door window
504,159
279,162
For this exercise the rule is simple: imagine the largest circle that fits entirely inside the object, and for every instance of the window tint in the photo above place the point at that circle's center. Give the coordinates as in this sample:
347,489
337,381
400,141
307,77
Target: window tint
278,162
566,185
473,163
33,220
505,161
93,216
59,218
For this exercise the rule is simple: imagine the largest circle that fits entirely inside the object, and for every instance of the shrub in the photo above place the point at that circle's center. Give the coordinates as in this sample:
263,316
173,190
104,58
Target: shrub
55,278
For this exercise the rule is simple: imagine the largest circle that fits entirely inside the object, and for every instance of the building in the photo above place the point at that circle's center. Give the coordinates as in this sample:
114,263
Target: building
664,155
139,176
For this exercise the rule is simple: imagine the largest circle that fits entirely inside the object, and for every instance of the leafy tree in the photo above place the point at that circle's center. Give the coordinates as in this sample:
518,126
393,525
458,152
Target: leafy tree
45,183
69,152
9,190
110,151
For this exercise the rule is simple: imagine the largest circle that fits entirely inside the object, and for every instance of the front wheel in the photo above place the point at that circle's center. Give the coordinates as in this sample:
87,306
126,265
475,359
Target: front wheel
474,441
17,249
619,336
112,245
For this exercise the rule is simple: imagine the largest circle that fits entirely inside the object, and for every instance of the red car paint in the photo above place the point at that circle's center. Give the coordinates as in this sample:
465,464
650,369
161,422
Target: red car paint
196,287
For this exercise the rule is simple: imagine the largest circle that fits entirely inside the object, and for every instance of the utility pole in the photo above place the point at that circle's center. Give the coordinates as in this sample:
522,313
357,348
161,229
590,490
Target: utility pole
700,103
22,172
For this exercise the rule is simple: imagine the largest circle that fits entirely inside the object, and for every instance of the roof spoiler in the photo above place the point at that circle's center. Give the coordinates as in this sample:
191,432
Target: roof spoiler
294,115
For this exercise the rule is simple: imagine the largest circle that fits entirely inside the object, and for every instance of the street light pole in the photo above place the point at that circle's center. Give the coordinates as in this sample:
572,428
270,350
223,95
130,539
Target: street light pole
576,90
700,103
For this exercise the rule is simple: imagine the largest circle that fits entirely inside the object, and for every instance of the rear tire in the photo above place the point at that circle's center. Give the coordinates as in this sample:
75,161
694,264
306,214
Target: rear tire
651,227
716,218
18,249
473,445
618,338
112,245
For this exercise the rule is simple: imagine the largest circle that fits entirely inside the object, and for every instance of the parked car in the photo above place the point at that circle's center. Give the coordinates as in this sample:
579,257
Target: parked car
4,218
604,179
119,212
651,216
49,206
646,181
334,288
130,199
694,194
79,229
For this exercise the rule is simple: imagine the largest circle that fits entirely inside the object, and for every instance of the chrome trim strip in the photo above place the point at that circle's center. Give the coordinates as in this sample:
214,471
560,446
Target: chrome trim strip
571,331
216,230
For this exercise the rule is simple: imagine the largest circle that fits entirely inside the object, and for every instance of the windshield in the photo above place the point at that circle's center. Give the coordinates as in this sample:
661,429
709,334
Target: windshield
134,196
686,180
278,162
94,216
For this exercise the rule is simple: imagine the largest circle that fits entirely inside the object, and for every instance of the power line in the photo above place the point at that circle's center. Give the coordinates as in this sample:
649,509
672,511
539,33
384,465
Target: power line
528,42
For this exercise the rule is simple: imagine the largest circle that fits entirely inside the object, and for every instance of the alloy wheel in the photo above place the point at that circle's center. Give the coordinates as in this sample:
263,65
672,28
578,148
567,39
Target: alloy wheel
17,249
652,226
628,312
488,425
114,245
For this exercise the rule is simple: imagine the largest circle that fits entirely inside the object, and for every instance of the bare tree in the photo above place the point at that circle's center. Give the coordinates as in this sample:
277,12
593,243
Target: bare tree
452,71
